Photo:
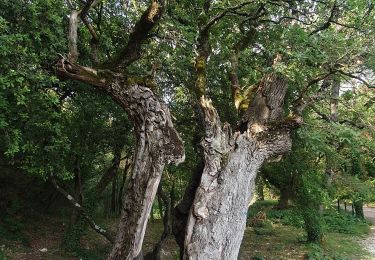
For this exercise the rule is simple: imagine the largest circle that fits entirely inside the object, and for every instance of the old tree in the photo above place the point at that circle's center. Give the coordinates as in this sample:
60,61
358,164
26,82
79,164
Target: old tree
259,65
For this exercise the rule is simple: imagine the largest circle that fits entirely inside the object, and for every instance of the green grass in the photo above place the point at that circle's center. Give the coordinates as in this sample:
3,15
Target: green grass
337,246
284,236
281,236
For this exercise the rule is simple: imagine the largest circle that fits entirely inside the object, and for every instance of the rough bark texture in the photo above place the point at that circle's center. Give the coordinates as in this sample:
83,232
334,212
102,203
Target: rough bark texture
218,217
157,143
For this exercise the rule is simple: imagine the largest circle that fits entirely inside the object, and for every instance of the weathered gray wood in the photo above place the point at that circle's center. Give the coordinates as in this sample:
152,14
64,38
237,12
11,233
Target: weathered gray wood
157,143
217,218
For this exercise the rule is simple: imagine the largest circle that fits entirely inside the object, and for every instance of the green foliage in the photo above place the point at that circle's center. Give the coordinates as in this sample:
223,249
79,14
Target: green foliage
72,236
264,229
344,223
12,224
2,254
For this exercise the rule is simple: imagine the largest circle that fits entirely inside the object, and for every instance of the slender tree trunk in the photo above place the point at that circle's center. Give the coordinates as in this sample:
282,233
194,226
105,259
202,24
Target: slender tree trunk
114,196
160,205
334,117
111,172
167,223
284,199
77,192
152,214
260,188
122,184
358,206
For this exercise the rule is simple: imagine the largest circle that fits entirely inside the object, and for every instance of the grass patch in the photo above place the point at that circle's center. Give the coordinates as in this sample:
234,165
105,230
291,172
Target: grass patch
282,236
337,246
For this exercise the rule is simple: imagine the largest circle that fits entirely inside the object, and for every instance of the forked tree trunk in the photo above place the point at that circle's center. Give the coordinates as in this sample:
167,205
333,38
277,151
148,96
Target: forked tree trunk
217,219
157,143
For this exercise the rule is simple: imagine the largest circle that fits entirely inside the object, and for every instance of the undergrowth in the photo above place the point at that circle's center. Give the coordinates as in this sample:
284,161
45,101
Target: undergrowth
339,230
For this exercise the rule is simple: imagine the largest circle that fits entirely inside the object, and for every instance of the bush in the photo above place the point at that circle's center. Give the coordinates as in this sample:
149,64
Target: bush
344,223
265,229
2,255
288,217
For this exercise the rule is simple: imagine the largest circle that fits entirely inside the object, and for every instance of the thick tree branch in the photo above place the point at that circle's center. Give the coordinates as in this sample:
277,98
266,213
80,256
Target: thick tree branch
81,210
73,28
131,52
69,70
344,121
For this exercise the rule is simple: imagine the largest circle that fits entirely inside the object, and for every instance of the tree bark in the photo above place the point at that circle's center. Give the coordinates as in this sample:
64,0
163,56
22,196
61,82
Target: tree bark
157,143
182,210
217,219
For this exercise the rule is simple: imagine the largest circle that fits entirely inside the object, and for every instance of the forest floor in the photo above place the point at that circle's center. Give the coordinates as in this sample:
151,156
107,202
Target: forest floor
44,235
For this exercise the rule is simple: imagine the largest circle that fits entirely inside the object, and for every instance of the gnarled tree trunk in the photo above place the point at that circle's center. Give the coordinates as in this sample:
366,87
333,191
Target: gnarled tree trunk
157,143
217,219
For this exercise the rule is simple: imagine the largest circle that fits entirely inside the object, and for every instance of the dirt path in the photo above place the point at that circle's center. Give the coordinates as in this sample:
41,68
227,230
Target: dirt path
369,243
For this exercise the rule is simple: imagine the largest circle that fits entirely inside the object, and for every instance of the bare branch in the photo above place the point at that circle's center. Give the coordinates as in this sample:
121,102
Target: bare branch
224,13
73,28
81,210
344,121
284,18
355,77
